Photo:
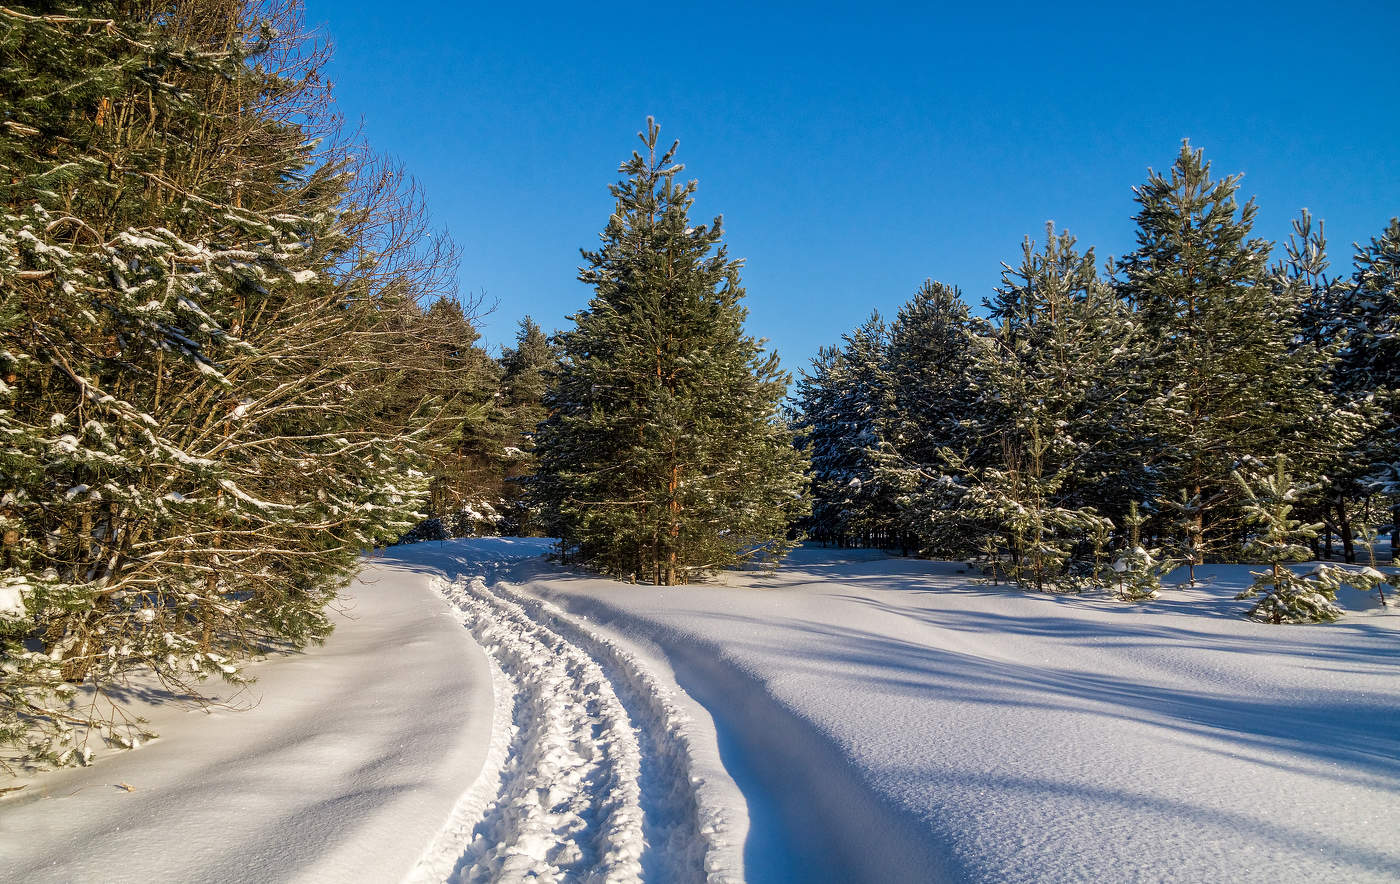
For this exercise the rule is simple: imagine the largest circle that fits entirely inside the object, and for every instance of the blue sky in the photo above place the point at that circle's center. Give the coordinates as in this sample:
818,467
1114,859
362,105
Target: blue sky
856,149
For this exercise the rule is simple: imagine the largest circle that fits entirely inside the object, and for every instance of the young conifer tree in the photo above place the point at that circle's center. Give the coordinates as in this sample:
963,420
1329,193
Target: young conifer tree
1278,539
664,455
1136,574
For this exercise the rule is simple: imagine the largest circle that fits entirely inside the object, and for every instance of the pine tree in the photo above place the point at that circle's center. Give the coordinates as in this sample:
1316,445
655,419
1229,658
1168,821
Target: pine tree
1367,315
1138,571
458,380
1334,435
664,456
852,504
1284,596
1051,378
1228,375
196,303
1369,577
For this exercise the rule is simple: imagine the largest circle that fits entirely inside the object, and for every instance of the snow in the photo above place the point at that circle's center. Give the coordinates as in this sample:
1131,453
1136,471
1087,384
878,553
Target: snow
604,770
12,596
899,722
342,764
483,714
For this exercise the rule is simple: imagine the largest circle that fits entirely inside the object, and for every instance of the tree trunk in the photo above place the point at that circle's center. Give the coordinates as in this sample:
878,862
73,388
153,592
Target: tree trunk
1394,531
1344,529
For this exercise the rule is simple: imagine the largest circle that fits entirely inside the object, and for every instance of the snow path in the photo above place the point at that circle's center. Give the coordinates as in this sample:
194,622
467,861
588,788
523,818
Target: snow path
349,761
597,776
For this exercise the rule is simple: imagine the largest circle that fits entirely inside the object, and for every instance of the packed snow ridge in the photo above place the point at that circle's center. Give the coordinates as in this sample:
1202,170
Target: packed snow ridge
588,777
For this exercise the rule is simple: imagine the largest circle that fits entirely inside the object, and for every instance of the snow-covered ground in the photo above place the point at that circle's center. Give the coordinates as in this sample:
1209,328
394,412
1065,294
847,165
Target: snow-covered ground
853,717
346,764
898,721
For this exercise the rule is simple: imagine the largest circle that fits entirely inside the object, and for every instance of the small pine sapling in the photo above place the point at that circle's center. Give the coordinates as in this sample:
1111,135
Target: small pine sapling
1190,545
991,557
1368,577
1284,596
1138,571
1101,537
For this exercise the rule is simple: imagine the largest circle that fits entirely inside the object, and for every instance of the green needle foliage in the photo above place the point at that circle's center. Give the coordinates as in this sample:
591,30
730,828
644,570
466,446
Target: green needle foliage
664,456
1138,571
1092,426
203,301
1284,596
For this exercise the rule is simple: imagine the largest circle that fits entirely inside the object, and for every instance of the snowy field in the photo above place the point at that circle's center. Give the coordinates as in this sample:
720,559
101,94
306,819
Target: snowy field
852,718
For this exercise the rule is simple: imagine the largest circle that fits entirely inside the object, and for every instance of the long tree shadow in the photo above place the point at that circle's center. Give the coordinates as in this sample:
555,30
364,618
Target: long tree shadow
1358,731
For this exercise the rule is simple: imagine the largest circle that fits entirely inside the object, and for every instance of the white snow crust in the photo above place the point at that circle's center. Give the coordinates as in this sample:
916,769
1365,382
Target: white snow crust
893,720
341,765
852,718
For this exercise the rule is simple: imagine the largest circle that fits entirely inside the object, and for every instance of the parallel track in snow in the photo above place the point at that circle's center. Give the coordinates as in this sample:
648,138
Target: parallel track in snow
588,777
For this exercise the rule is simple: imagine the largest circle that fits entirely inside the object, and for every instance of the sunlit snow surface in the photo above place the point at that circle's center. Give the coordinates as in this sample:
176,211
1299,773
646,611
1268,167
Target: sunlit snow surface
346,764
902,722
880,719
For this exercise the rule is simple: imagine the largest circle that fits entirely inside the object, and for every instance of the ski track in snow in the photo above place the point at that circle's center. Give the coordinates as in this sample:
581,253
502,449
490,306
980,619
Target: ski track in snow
588,777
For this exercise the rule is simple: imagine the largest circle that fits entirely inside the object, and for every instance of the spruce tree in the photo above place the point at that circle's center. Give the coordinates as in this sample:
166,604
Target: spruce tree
852,502
664,456
930,368
525,379
821,437
1367,316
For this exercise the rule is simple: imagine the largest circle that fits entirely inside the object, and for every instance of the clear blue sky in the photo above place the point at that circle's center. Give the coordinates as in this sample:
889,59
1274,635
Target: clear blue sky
856,149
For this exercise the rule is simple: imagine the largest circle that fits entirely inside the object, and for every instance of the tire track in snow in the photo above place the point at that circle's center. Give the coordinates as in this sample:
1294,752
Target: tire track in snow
589,773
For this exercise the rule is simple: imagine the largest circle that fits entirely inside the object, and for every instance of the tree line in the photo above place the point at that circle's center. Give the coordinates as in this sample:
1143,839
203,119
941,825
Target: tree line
232,358
1199,394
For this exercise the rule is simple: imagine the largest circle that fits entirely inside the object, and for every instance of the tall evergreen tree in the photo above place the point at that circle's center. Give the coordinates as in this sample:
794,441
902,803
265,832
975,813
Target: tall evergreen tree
195,310
821,437
664,455
526,371
1052,383
852,501
1228,377
931,369
1336,451
467,489
1367,316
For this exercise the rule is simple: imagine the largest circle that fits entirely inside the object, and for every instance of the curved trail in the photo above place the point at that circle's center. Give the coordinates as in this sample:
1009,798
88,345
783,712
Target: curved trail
589,774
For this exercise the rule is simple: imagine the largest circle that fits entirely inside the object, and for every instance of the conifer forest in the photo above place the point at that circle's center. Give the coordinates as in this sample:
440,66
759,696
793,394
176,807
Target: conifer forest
236,365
